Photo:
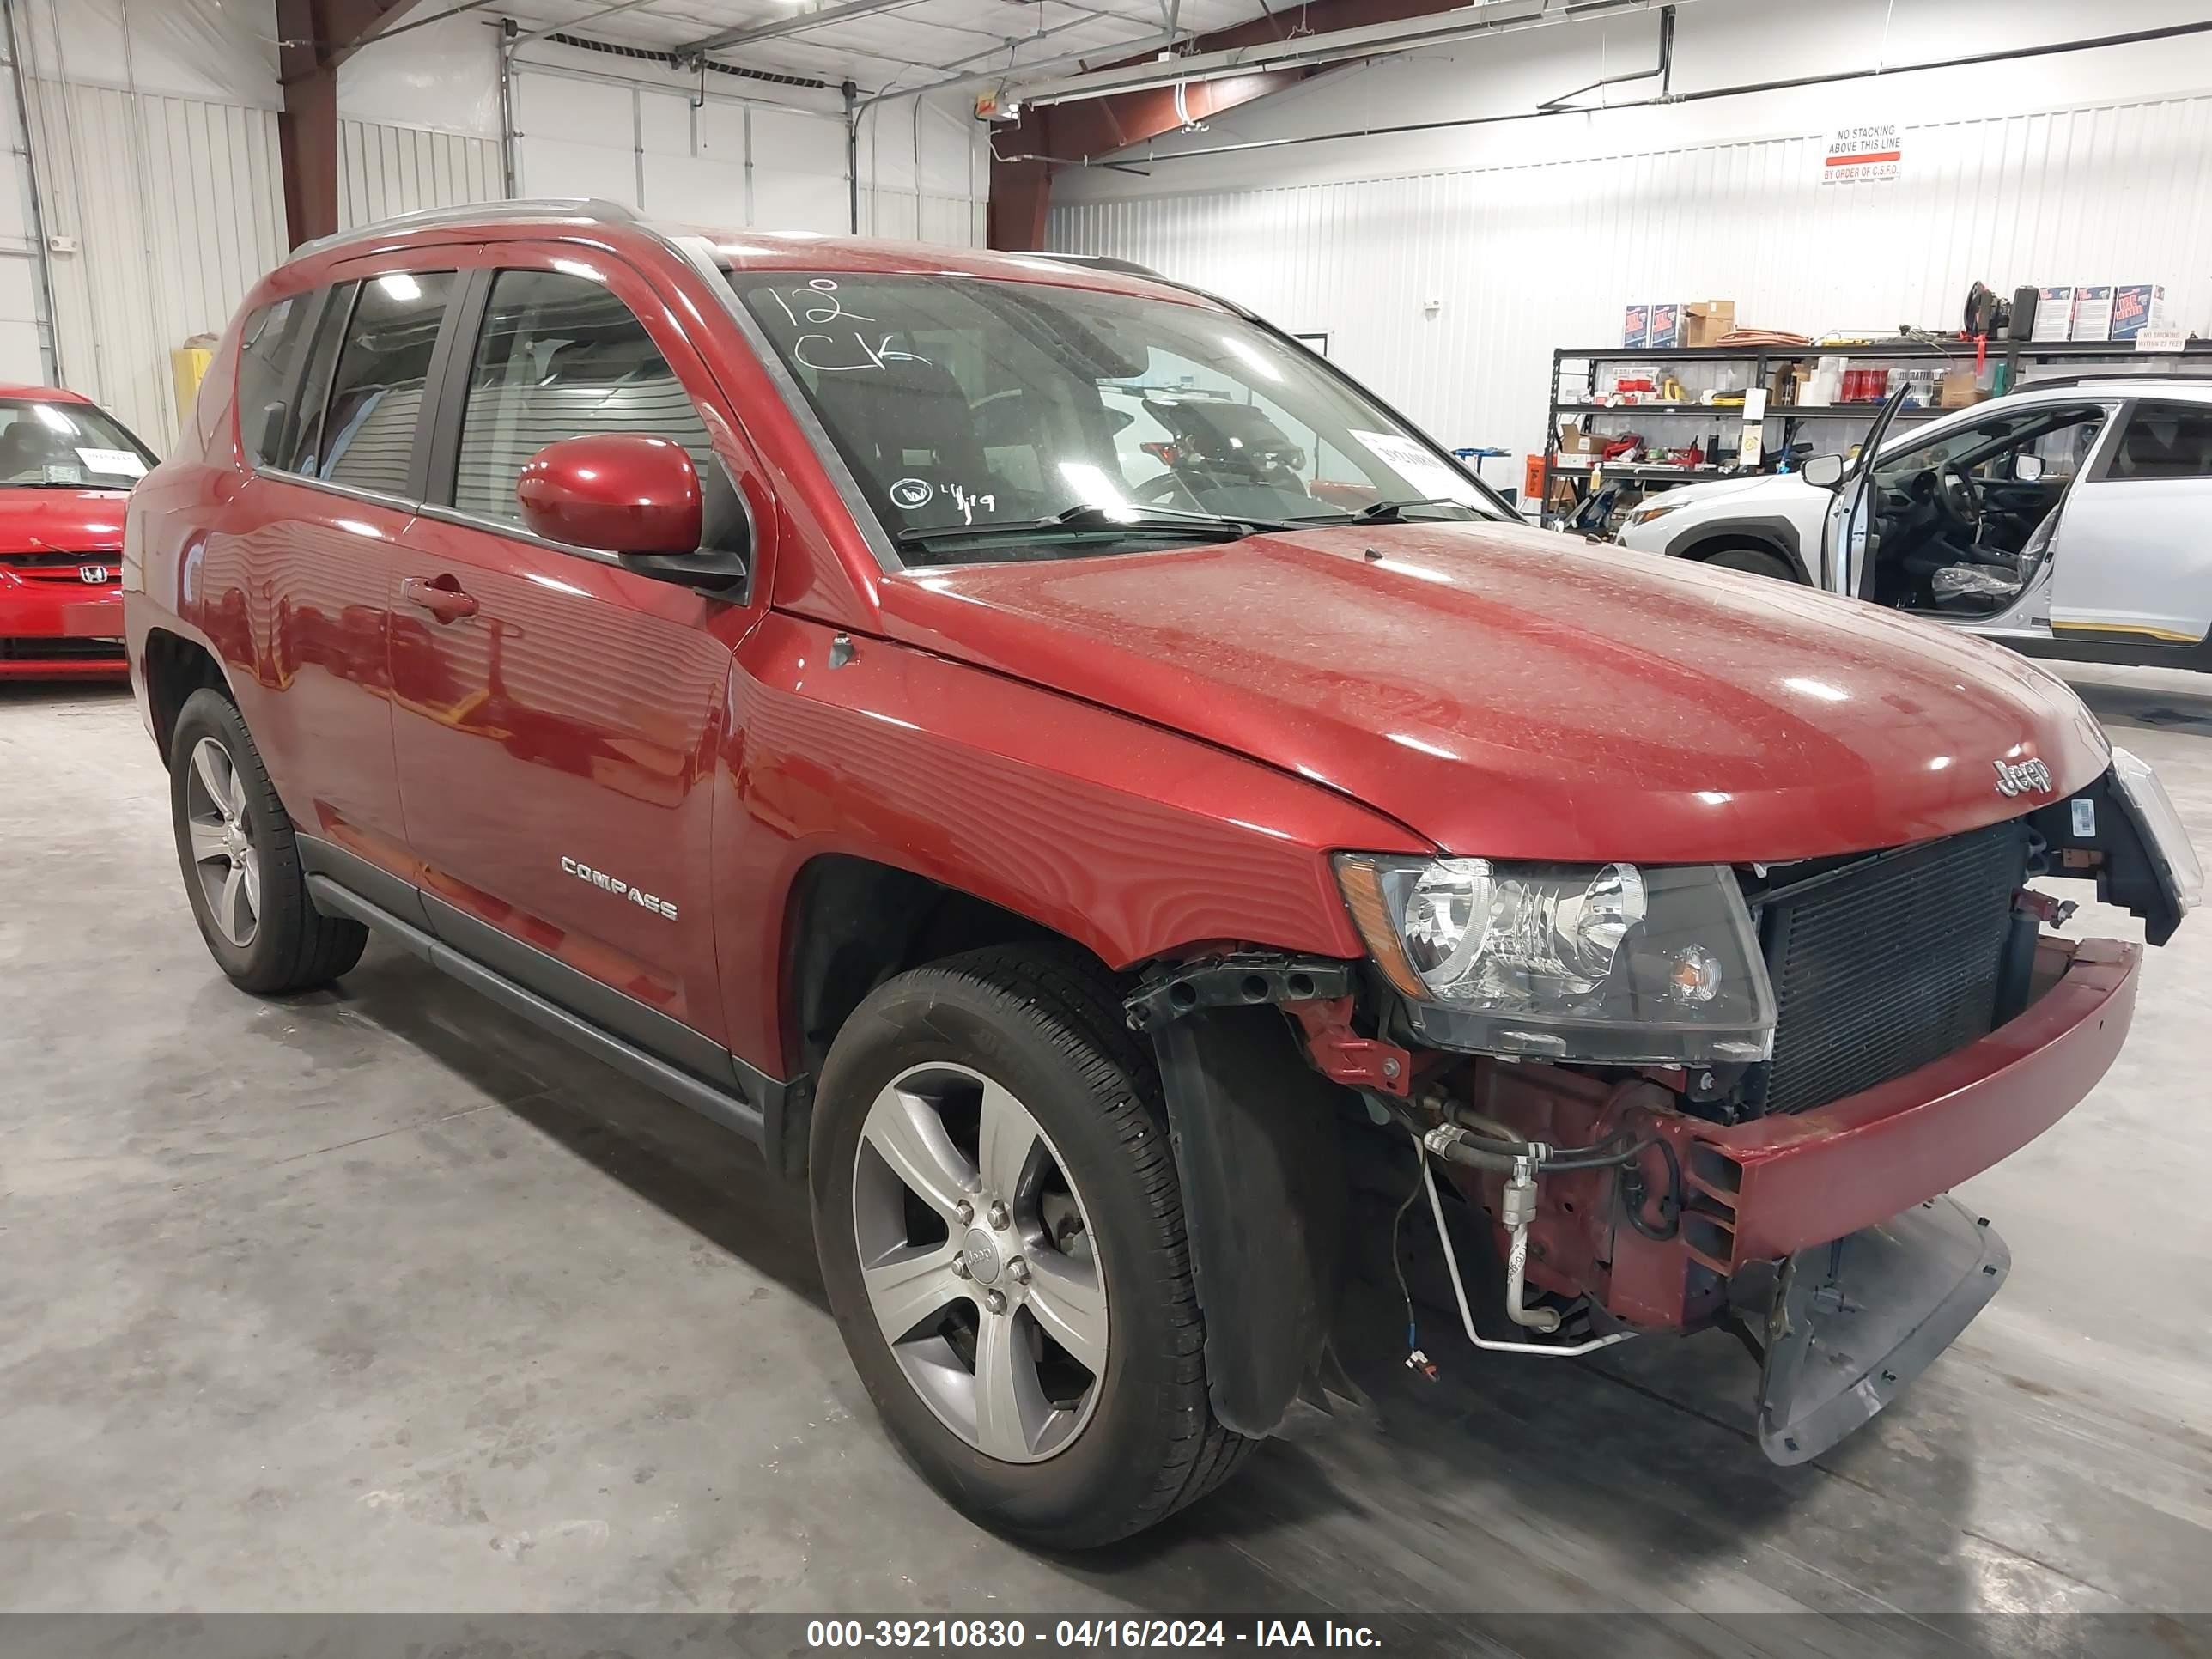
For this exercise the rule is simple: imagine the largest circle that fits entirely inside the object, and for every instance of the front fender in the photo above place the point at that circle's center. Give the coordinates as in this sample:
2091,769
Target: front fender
1134,841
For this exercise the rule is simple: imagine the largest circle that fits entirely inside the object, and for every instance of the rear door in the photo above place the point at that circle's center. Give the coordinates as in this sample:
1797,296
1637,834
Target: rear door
2133,562
294,578
559,720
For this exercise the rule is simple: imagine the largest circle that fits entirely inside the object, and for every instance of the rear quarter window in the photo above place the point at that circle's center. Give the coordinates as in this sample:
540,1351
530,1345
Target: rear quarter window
267,349
2166,441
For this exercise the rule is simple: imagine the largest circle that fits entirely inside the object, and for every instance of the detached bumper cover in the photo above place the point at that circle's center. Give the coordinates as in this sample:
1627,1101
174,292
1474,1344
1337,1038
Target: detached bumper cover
1851,1322
1767,1189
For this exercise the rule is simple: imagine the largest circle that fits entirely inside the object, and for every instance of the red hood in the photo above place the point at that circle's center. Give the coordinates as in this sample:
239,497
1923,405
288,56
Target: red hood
1502,691
61,520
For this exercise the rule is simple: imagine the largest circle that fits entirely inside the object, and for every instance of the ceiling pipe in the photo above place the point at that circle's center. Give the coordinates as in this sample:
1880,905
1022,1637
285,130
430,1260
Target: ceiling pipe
1972,60
1664,74
975,76
1369,40
575,23
798,23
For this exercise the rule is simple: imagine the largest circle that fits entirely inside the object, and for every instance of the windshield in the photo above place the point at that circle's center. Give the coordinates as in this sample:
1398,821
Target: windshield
70,445
997,420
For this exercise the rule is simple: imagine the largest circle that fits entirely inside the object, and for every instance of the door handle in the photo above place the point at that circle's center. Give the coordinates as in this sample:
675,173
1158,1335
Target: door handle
441,596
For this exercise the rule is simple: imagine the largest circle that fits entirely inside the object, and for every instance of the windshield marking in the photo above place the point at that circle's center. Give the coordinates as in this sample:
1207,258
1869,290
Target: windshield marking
994,413
821,304
876,356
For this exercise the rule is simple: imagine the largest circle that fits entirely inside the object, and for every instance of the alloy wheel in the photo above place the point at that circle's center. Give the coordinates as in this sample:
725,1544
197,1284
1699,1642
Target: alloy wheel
225,860
979,1263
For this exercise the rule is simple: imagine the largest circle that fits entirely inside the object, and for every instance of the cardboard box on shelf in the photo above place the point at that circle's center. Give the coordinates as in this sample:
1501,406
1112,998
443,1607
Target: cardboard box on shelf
1960,390
1703,321
2137,306
2054,313
2093,311
1573,441
1666,331
1636,326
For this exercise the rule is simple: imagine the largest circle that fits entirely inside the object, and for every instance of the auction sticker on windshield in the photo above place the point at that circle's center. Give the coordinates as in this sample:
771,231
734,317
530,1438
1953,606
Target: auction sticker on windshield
1423,471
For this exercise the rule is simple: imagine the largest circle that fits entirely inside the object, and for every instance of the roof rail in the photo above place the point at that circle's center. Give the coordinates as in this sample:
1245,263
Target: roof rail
2091,377
1105,262
528,207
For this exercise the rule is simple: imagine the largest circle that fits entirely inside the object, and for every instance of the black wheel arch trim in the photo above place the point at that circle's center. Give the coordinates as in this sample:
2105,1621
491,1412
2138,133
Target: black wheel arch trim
1771,532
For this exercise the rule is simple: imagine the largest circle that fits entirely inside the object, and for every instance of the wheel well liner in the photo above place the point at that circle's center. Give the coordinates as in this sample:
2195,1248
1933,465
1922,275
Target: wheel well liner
853,923
1255,1131
175,667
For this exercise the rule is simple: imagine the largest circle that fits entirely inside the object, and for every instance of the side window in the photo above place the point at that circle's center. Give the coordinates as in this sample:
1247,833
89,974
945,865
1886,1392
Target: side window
301,450
376,395
560,356
2166,441
268,351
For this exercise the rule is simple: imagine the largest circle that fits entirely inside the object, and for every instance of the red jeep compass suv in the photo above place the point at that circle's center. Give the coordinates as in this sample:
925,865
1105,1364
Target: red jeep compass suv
1070,773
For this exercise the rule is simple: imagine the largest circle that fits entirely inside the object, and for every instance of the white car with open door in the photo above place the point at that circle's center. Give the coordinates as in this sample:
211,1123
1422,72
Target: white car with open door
2071,518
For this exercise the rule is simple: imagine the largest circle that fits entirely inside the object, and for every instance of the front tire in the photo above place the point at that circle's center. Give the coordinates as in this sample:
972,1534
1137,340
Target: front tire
1037,1356
241,861
1752,560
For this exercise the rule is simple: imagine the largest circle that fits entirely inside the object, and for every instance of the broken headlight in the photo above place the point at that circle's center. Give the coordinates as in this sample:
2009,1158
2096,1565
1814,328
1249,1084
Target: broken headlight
1610,964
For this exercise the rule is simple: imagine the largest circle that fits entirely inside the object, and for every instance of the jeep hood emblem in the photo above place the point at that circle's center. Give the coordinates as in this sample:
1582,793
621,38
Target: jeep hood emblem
2027,777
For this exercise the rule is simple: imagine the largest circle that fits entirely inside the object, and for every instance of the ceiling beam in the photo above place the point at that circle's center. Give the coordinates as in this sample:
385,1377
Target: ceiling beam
315,37
1049,136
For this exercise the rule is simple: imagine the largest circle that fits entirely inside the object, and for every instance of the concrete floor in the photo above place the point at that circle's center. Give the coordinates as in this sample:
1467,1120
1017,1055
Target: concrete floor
379,1300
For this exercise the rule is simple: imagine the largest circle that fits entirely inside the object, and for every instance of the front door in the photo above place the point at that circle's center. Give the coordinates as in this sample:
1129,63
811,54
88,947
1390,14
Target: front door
2133,564
559,720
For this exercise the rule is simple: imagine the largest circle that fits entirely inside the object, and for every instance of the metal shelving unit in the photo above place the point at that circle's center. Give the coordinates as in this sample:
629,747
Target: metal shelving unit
1574,393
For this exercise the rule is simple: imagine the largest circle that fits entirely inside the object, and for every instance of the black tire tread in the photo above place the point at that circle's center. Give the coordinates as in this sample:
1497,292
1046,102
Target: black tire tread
1769,563
314,949
1079,1002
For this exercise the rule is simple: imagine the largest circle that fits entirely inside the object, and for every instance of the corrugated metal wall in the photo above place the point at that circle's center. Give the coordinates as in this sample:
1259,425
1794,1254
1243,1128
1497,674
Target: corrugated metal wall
384,169
1448,291
176,207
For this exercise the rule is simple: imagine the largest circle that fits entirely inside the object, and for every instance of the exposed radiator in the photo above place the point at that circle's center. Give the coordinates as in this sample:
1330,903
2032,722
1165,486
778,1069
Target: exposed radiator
1881,966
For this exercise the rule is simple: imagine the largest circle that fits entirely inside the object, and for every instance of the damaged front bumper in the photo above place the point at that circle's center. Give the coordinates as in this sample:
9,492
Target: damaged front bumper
1822,1234
1847,1324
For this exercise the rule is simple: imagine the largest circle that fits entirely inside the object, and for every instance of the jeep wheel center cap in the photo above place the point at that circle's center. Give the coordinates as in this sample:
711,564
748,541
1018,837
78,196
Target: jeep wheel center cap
980,1252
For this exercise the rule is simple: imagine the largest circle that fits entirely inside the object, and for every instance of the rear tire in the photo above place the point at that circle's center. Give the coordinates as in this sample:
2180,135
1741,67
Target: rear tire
241,861
1041,1026
1752,560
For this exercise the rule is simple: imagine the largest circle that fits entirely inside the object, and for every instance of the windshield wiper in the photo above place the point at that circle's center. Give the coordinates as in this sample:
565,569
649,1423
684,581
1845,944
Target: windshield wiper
1121,521
1395,511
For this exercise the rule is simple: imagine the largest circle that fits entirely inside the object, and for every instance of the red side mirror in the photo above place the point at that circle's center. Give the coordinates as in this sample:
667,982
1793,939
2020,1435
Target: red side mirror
613,492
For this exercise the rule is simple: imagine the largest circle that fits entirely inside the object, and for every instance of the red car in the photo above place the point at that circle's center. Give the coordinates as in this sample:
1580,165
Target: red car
65,466
1088,788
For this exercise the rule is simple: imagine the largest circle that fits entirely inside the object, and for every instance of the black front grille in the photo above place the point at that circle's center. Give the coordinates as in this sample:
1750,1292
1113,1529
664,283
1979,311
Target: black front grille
59,648
1885,964
48,559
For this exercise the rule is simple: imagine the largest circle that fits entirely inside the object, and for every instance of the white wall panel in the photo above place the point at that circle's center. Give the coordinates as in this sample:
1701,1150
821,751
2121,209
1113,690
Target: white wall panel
22,313
384,170
1523,258
176,207
749,163
798,173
